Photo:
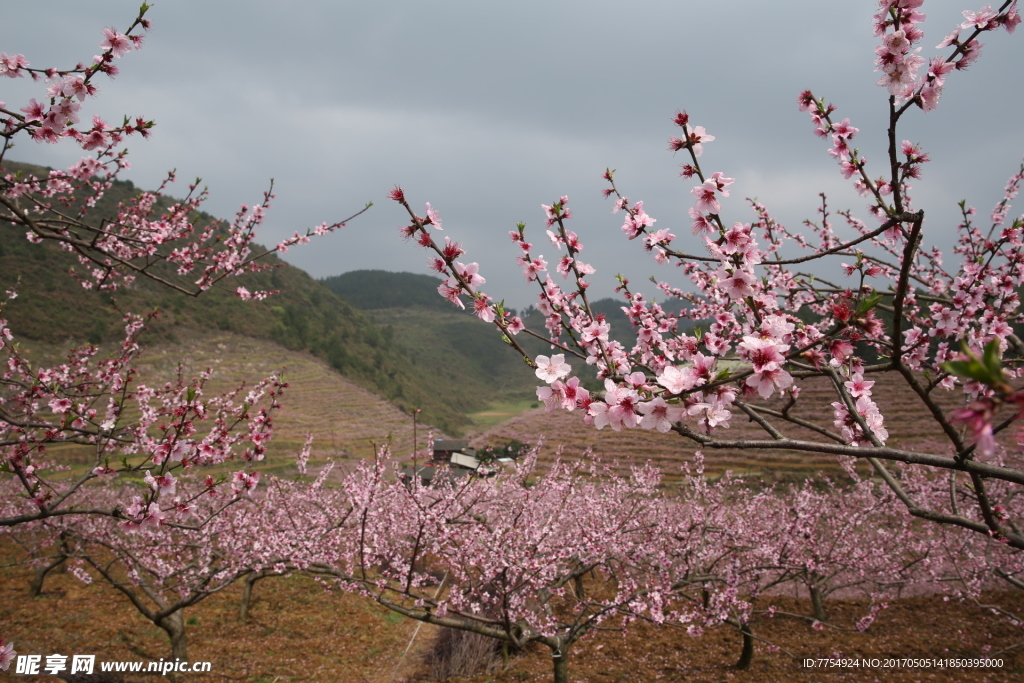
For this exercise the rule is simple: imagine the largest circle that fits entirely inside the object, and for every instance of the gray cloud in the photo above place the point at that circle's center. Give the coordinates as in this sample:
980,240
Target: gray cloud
488,110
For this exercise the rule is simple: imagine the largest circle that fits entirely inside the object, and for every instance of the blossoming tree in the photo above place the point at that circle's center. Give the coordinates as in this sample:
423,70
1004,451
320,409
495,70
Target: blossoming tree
775,321
95,401
497,556
506,557
162,571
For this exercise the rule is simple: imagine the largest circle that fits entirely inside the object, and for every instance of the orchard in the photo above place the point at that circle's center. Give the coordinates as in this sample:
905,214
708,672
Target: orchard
169,511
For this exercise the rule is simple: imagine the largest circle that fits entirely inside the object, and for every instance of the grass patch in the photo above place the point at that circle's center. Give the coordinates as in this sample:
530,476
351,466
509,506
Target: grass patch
501,411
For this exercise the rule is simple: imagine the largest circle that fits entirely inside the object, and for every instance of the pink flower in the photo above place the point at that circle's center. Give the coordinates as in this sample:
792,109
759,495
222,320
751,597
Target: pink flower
768,379
154,517
553,396
532,268
983,19
432,218
7,653
637,221
844,130
706,200
763,352
977,417
165,484
677,380
74,86
949,40
653,239
244,481
859,387
701,223
116,43
721,182
60,405
553,368
470,273
659,415
596,330
777,326
180,451
551,214
575,395
847,168
738,240
617,410
450,290
697,136
164,451
11,65
94,140
483,309
34,111
1012,20
971,52
565,266
738,285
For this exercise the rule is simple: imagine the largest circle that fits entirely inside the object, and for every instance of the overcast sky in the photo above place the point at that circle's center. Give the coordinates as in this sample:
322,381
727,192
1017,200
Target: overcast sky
489,109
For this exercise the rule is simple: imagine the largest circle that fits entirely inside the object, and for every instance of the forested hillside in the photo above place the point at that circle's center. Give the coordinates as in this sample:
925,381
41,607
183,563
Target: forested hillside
389,332
453,345
53,307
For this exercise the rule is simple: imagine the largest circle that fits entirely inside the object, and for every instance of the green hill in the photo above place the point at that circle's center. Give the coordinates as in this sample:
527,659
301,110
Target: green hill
390,333
306,315
377,289
453,345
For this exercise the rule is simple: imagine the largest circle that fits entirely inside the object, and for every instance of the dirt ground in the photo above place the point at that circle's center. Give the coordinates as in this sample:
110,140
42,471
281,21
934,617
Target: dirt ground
298,631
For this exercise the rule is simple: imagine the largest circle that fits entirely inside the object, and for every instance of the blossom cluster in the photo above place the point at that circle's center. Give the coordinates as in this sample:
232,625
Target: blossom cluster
128,427
761,324
148,231
897,23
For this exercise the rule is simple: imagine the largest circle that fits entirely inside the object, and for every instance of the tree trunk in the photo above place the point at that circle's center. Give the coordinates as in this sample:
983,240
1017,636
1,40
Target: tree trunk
747,655
36,584
818,603
560,658
577,583
243,608
174,625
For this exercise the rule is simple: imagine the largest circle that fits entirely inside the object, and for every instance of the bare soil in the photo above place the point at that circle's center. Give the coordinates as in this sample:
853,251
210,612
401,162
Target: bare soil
298,631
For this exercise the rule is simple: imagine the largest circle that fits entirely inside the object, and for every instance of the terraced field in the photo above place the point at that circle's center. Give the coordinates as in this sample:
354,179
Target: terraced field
908,423
345,419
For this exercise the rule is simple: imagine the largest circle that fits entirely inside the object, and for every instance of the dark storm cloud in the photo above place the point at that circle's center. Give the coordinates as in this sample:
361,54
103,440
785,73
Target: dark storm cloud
489,109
